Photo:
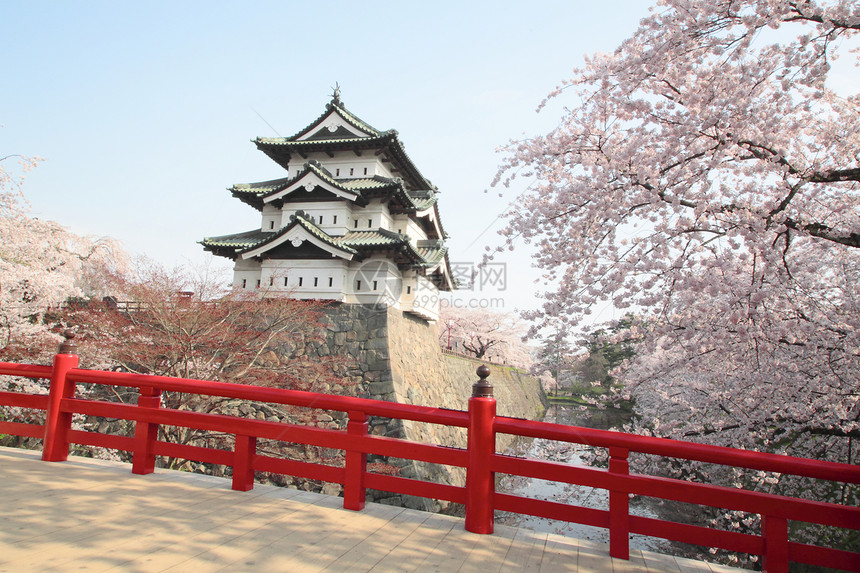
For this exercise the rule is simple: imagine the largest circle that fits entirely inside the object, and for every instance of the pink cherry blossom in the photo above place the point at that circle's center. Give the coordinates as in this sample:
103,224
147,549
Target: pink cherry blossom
707,178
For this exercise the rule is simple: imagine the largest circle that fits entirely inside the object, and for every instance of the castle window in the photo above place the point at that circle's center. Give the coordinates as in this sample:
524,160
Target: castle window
409,290
357,285
351,170
334,220
271,281
271,224
320,219
244,283
316,281
374,285
330,281
337,172
258,283
369,223
356,223
301,280
285,280
365,170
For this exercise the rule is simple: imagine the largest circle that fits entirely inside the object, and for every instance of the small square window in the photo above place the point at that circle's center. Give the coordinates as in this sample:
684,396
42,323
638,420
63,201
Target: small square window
301,280
285,280
316,281
374,285
351,171
258,283
357,285
409,290
365,170
356,223
369,223
244,283
271,281
330,281
337,172
334,220
320,219
271,224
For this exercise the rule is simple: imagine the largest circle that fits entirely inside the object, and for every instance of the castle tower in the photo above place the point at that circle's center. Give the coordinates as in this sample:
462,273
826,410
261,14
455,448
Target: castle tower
352,220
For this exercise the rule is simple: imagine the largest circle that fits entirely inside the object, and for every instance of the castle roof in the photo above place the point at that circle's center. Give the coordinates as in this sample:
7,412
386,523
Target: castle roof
335,133
315,176
338,129
428,255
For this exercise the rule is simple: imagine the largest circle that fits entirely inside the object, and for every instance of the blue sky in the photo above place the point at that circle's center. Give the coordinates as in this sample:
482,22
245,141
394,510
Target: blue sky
144,112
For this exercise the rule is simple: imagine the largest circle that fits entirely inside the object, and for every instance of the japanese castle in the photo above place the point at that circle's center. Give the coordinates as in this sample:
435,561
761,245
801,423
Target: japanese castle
352,220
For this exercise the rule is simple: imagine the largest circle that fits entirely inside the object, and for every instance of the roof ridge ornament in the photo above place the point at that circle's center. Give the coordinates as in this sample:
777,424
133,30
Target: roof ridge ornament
335,96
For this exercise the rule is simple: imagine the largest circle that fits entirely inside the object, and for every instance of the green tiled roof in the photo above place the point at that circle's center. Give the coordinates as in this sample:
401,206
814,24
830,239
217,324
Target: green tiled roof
254,193
238,240
262,187
347,115
377,182
281,148
309,227
407,195
432,255
353,242
378,238
423,203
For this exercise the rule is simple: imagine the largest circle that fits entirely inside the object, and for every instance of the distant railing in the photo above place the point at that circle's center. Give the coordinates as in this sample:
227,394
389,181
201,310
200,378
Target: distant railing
486,359
479,458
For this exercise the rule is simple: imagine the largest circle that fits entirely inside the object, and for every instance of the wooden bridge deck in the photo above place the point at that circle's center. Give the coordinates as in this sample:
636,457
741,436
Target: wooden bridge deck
96,515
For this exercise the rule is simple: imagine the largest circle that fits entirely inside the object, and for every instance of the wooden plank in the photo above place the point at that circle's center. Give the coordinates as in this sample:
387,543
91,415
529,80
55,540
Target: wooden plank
525,552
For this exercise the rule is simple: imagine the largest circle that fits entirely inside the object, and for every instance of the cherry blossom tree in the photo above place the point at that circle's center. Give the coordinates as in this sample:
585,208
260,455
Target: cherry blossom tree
41,264
188,324
707,178
486,334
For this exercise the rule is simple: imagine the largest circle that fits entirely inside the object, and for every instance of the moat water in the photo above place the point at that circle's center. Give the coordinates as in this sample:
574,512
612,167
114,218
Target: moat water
574,454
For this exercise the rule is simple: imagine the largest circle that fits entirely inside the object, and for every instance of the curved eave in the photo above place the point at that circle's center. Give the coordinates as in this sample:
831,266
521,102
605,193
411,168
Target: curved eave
375,239
230,245
431,215
443,270
281,149
252,193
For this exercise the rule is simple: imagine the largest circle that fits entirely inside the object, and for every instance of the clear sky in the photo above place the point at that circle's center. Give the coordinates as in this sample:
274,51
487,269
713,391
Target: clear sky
144,112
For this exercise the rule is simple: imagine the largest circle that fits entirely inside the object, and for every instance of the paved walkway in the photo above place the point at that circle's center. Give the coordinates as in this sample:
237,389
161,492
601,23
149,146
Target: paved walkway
94,515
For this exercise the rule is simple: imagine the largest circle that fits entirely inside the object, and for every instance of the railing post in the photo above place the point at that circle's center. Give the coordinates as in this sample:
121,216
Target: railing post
775,532
243,462
55,446
619,507
480,481
354,492
145,434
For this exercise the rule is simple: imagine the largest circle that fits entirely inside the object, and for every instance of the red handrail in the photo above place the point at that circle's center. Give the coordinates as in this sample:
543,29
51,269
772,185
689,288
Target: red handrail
685,450
479,458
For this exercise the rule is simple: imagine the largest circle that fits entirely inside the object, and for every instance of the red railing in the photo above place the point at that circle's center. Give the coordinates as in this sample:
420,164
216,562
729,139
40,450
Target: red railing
479,458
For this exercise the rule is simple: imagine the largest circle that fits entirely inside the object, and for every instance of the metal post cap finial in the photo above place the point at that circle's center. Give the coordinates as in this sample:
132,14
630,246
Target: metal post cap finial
482,388
68,345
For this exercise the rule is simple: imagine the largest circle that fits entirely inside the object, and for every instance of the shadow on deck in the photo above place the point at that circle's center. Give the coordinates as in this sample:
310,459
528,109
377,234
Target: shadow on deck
96,515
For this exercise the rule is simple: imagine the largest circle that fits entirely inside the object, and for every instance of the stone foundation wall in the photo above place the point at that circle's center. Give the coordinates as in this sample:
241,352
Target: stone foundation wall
397,357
